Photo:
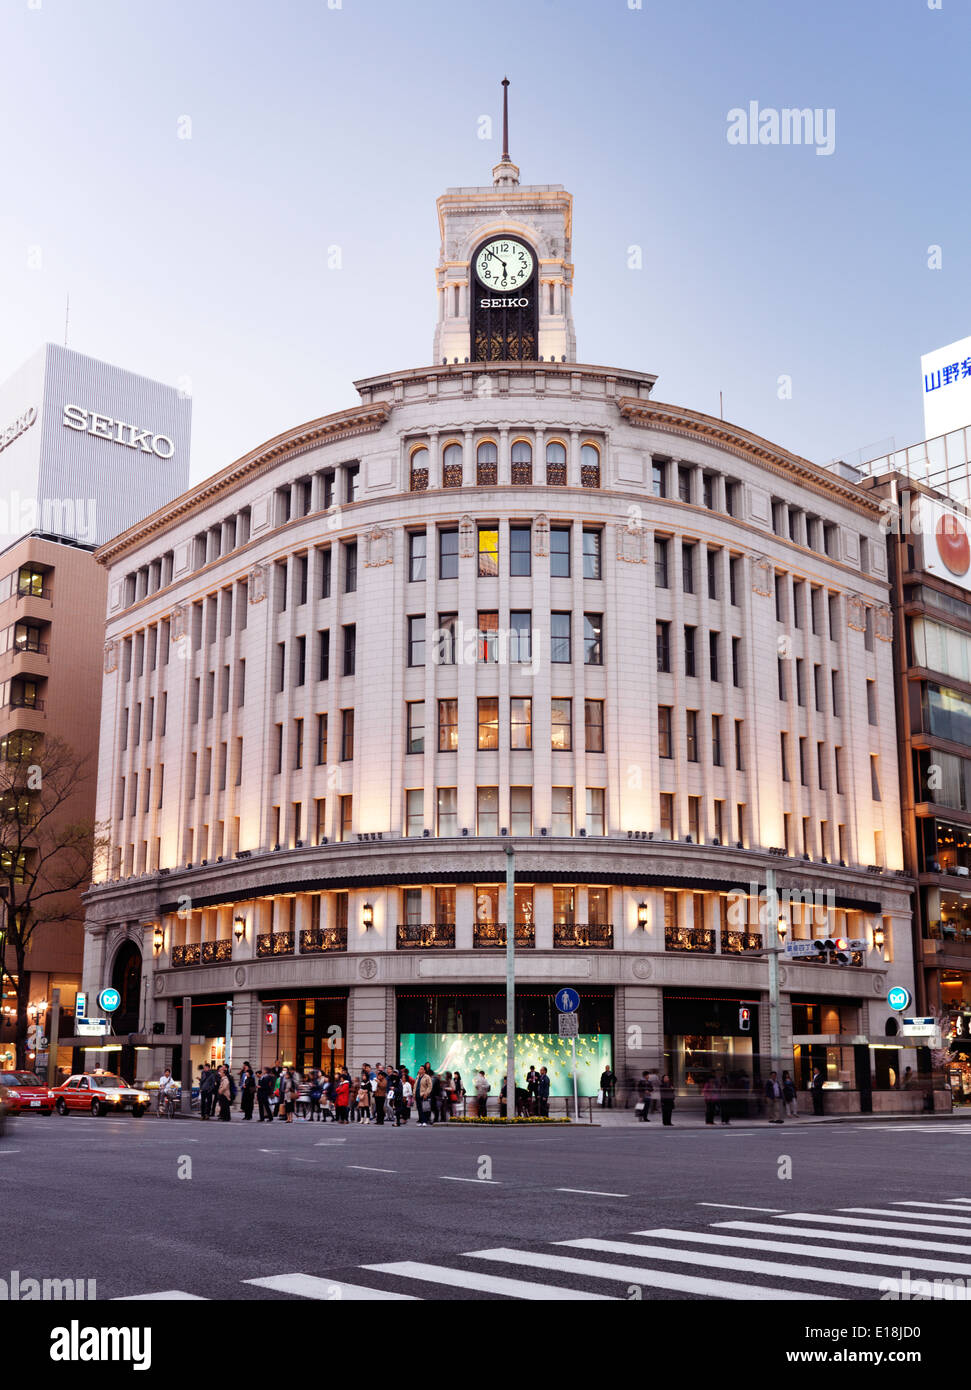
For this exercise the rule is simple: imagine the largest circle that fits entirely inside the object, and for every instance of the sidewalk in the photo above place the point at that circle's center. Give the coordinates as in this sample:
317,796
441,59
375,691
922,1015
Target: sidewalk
694,1119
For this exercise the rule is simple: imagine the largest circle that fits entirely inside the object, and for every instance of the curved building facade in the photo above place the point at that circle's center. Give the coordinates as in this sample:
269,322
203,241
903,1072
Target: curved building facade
509,599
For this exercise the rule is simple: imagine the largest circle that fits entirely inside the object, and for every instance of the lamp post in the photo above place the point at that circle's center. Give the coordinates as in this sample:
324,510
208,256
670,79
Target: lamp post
510,984
773,953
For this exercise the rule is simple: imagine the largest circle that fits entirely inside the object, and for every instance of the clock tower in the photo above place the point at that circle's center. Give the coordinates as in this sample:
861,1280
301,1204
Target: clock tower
505,277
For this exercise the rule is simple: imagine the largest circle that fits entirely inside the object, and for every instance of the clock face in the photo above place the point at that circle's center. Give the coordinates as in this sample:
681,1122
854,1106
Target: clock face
504,264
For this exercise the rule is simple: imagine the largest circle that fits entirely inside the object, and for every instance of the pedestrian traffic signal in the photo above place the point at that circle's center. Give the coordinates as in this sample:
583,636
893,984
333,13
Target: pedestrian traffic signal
745,1019
269,1023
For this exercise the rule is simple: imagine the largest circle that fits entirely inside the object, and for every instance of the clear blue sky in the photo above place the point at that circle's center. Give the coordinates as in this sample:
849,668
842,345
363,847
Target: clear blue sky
311,126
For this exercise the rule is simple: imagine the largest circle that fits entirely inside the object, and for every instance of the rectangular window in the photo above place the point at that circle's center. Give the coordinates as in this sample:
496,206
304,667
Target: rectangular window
562,811
560,552
448,554
713,641
593,639
591,553
300,661
667,815
298,744
815,604
821,764
417,556
416,641
691,734
448,726
520,721
520,553
663,643
694,821
689,651
719,818
415,817
521,810
712,562
593,725
797,588
444,650
740,822
734,575
488,720
447,811
350,567
688,567
716,740
560,637
875,777
487,810
708,490
596,818
739,762
817,686
520,637
784,751
281,665
659,479
321,739
346,817
301,579
838,769
833,605
488,552
736,661
323,653
684,482
347,735
802,763
487,646
325,569
662,547
416,726
800,692
320,818
871,702
561,725
664,749
834,678
350,648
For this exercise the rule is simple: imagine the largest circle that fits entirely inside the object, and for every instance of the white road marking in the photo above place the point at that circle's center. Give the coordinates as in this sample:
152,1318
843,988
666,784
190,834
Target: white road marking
446,1178
635,1274
822,1252
589,1192
363,1168
909,1215
173,1294
874,1225
310,1286
487,1283
732,1206
855,1237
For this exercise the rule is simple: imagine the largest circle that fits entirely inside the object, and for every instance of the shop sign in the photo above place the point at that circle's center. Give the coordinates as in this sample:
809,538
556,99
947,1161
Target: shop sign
898,998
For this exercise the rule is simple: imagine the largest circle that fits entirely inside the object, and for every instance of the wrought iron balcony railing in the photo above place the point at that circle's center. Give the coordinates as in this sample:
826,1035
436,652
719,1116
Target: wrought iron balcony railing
426,936
277,943
570,936
187,955
734,941
216,950
493,934
313,941
689,939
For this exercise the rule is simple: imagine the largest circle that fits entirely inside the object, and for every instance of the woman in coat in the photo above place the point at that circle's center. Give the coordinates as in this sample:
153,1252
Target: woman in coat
667,1099
247,1088
224,1095
343,1097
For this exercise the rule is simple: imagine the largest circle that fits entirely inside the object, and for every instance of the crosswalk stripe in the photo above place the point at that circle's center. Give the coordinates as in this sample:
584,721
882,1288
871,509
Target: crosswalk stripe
872,1225
484,1283
908,1215
310,1286
637,1274
170,1295
741,1263
855,1237
823,1252
938,1206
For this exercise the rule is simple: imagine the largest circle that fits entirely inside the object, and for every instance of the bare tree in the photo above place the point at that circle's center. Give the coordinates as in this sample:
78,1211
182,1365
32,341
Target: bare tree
47,851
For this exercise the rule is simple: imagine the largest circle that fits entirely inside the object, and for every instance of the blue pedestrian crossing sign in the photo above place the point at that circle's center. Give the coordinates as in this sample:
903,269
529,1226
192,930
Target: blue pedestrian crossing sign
567,1000
898,997
108,1000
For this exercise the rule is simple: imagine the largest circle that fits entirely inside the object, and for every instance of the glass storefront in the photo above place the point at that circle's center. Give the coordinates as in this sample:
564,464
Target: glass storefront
704,1036
311,1032
833,1018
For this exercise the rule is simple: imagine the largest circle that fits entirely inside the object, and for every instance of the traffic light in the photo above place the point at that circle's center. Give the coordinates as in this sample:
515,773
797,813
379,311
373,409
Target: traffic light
269,1022
745,1019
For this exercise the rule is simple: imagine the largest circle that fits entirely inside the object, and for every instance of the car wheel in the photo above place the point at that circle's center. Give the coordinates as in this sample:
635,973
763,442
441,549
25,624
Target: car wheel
96,1107
138,1110
61,1106
47,1112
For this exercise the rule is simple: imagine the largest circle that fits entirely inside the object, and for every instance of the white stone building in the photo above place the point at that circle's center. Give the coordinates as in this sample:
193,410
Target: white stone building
506,598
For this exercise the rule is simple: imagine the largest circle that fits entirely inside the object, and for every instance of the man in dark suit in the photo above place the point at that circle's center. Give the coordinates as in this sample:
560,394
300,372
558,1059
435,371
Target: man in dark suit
816,1086
264,1088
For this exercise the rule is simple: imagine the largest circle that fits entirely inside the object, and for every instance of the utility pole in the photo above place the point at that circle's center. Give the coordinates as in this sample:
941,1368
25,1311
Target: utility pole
773,915
510,984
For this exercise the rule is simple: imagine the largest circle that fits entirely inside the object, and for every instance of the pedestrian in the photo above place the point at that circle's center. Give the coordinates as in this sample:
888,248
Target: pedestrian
789,1095
435,1098
655,1081
458,1091
607,1083
725,1099
247,1086
289,1091
380,1095
532,1076
543,1091
342,1097
816,1086
277,1091
644,1092
264,1091
482,1089
709,1093
360,1112
394,1097
425,1084
407,1096
773,1095
907,1080
224,1093
208,1081
667,1099
316,1090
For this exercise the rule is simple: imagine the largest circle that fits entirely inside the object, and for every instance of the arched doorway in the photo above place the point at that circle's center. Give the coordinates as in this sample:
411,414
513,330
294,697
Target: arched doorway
126,976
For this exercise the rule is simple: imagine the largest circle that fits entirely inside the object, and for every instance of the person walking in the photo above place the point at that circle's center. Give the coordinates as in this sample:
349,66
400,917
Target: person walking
482,1087
380,1095
667,1099
709,1093
532,1076
816,1086
773,1095
425,1097
644,1091
789,1095
289,1092
208,1081
264,1090
543,1091
407,1096
316,1090
458,1092
342,1098
435,1098
607,1083
224,1094
247,1086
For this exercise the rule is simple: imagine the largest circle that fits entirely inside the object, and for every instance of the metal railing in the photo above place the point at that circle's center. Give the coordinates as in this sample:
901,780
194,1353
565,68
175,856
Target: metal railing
689,939
425,936
216,950
187,955
583,935
277,943
734,941
315,940
493,935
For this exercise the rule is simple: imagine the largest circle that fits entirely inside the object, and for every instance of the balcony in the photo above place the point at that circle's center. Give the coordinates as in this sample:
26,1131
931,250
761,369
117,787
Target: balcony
27,591
316,940
213,951
187,955
582,936
556,475
492,935
486,474
277,943
689,939
949,931
426,936
419,480
734,942
18,700
522,475
589,475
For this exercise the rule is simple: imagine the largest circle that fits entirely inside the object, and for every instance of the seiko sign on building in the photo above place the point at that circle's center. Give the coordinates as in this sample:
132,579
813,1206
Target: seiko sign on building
18,427
117,431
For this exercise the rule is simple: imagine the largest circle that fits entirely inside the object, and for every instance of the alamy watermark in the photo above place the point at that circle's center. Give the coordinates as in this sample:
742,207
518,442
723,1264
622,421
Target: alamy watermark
767,125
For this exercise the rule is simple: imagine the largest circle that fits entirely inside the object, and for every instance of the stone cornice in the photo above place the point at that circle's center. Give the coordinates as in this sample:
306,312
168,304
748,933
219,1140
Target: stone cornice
692,424
344,424
367,385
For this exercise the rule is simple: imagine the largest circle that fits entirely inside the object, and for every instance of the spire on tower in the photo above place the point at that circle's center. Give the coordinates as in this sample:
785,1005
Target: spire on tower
505,120
505,174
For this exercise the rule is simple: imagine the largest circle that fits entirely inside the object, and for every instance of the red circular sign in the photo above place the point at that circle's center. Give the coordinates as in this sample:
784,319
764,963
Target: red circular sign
952,543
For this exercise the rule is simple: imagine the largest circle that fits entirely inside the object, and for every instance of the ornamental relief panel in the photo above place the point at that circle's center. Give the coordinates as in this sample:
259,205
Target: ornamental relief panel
466,538
856,613
111,657
177,623
541,535
257,584
762,581
379,547
632,544
884,624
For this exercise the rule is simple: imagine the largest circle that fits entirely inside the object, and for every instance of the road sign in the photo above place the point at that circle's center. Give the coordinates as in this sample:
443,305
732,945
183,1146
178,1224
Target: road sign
80,1004
569,1026
108,1000
567,1000
918,1027
91,1027
898,998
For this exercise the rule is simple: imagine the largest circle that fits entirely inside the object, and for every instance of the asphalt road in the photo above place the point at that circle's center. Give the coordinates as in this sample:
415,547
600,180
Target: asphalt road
158,1207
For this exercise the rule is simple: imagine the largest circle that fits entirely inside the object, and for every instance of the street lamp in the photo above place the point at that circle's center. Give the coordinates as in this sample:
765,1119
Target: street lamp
239,927
158,938
367,916
642,916
878,936
782,927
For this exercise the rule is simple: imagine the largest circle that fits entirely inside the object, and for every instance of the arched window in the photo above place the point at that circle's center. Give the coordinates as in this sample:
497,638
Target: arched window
452,466
486,464
419,469
589,465
522,463
555,464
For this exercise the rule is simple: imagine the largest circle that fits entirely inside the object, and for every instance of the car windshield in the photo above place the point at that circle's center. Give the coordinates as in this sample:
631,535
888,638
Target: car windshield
27,1078
108,1083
